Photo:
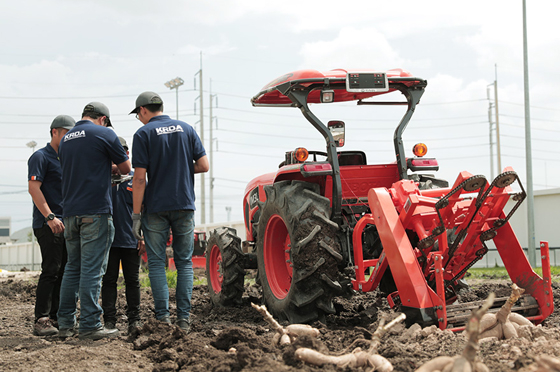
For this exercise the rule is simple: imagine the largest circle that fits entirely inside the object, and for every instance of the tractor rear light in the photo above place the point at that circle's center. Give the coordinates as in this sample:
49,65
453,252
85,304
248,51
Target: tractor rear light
327,96
420,149
316,169
422,164
301,154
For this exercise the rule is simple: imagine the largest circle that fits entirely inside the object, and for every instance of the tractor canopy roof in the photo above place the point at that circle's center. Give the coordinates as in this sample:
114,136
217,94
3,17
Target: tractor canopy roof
274,93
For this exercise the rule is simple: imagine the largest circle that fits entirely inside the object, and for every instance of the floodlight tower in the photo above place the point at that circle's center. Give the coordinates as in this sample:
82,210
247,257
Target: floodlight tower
175,84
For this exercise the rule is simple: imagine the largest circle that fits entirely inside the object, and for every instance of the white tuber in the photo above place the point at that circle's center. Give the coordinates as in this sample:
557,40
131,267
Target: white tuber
358,357
285,336
504,324
467,361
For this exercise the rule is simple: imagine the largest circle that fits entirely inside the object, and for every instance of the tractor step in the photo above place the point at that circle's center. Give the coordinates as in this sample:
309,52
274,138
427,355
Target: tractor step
458,314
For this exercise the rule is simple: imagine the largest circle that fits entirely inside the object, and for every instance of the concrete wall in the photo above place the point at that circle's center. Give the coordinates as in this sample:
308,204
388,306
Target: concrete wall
14,257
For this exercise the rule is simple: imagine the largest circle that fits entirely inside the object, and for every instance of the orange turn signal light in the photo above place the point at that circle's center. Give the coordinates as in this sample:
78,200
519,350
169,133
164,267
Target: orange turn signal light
301,154
420,149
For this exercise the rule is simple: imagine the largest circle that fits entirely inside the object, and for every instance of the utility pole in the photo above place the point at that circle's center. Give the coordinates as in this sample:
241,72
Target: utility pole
202,181
32,145
212,96
531,249
494,105
491,137
228,211
498,147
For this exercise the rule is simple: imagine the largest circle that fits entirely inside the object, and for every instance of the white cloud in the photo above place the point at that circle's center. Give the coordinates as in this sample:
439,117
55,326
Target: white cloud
208,50
353,48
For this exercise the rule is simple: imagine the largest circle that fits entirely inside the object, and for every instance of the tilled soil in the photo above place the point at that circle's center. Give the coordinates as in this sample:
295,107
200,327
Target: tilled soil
161,347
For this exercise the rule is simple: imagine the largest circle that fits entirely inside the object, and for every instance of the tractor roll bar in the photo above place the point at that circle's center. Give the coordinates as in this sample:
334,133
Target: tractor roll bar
298,94
300,97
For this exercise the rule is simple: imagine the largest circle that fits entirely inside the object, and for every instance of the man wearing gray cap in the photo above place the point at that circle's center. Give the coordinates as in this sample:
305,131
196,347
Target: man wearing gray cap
169,152
45,188
87,153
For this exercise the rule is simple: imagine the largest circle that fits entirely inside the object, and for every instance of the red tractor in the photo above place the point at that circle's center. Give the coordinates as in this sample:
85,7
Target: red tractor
327,223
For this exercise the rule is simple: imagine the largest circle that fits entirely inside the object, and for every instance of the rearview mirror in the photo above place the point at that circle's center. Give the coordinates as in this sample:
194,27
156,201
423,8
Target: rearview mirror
337,130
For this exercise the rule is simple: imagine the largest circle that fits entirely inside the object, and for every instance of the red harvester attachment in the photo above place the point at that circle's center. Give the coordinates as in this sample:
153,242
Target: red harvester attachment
325,220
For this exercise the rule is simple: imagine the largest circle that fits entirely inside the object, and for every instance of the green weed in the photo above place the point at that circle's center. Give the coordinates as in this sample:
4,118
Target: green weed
171,277
501,273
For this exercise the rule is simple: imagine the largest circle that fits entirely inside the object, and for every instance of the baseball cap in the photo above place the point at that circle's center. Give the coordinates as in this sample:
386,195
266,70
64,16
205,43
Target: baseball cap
63,121
123,143
147,98
98,108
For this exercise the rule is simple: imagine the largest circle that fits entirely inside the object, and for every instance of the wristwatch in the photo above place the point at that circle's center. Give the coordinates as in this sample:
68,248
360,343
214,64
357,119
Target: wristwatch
50,217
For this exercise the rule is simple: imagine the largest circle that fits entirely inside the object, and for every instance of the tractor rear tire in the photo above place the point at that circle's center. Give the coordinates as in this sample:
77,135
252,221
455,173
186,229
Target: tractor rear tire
224,273
298,252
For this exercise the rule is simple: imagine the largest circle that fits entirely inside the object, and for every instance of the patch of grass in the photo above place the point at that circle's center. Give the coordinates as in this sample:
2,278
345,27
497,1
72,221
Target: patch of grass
501,273
199,280
171,277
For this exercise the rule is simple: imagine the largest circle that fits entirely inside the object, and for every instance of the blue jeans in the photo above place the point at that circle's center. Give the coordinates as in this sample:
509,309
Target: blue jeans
156,230
88,240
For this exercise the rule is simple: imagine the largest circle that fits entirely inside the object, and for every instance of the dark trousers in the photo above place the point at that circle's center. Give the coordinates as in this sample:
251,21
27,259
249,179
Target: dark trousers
53,260
130,266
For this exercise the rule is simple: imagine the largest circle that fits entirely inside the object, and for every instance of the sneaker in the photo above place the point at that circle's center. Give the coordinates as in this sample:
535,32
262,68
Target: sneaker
110,325
54,323
134,328
66,332
98,334
165,319
44,327
184,324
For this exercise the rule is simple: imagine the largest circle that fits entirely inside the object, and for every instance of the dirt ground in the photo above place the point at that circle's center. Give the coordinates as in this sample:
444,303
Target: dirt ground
161,347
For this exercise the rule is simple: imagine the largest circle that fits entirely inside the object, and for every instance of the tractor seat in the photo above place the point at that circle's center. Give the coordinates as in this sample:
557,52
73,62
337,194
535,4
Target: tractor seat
352,158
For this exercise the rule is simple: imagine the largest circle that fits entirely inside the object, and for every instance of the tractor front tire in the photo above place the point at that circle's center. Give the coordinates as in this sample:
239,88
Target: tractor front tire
224,273
298,252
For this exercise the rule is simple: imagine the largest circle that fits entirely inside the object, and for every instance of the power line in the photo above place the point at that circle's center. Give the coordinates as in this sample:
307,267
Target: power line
523,126
523,157
243,153
454,102
13,192
87,98
522,117
230,180
537,107
533,138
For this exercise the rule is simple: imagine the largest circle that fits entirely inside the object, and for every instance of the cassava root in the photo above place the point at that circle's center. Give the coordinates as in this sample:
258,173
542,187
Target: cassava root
358,357
504,324
285,336
467,361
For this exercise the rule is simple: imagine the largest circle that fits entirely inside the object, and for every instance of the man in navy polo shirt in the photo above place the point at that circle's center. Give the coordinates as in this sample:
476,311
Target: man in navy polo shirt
87,153
125,252
45,188
170,153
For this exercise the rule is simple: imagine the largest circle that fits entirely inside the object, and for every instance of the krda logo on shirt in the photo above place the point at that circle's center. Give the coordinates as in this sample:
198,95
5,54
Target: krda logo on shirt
169,129
74,135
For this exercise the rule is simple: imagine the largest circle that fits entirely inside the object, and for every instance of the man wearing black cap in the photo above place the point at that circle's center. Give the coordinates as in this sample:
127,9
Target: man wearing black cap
45,188
87,153
125,252
170,153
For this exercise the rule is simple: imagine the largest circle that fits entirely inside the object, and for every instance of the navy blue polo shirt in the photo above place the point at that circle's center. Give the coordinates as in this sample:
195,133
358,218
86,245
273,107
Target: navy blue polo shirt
167,148
44,166
86,154
122,215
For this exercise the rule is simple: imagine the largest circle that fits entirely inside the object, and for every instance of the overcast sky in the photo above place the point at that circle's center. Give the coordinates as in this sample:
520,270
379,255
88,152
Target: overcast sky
57,56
